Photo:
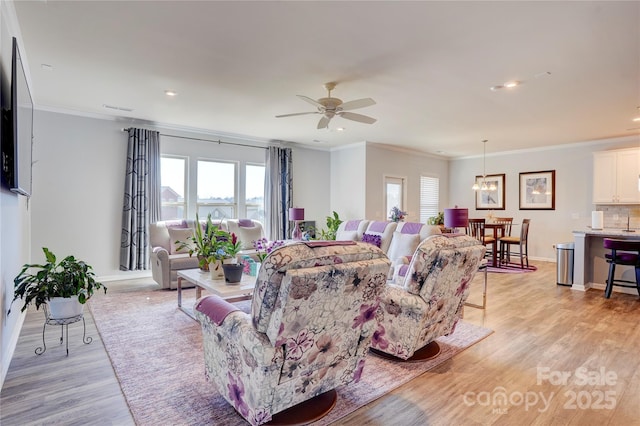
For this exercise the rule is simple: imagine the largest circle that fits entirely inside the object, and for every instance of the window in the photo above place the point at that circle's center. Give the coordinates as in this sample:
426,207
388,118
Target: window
172,181
394,193
254,192
216,193
429,197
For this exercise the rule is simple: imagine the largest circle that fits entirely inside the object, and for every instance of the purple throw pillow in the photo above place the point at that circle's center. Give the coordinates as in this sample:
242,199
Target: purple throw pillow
245,223
372,239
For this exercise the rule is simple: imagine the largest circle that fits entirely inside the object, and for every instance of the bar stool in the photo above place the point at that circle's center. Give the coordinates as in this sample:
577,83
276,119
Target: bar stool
623,252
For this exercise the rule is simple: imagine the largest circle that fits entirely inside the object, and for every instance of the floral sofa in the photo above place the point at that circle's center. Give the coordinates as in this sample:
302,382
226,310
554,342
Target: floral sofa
308,332
165,258
428,302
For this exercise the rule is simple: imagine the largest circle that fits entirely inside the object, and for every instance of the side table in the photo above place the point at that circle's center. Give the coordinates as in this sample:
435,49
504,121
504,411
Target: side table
64,323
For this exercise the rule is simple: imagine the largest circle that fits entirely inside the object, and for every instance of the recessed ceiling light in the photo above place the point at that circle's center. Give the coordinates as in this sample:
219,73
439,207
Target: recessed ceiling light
636,119
510,84
340,129
494,88
46,67
170,93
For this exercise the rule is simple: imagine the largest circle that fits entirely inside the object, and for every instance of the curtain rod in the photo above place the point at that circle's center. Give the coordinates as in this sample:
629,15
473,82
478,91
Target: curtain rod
219,142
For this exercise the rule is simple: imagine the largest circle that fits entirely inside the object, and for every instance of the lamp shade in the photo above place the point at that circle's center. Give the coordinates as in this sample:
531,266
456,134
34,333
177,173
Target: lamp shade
456,218
296,213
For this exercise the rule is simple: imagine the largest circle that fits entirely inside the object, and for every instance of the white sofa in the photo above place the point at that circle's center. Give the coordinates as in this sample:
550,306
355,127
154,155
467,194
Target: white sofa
397,240
166,260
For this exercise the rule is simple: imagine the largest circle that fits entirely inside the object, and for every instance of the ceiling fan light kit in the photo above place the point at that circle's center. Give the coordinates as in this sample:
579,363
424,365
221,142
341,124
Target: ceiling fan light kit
330,107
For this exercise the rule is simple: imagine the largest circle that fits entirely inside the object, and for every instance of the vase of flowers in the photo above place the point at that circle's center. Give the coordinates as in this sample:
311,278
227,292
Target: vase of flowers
264,247
397,215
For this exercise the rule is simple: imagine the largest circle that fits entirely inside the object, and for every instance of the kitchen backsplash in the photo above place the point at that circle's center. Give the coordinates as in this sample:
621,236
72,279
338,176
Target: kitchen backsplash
616,216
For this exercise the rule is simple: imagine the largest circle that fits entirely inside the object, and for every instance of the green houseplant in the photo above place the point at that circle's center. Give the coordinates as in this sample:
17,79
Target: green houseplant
436,220
208,244
333,222
69,278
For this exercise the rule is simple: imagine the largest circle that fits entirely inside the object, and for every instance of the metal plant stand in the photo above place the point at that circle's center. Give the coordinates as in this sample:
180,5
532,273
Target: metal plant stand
64,328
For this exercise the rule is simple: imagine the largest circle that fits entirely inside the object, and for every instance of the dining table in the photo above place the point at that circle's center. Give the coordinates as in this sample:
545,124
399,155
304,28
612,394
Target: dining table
498,232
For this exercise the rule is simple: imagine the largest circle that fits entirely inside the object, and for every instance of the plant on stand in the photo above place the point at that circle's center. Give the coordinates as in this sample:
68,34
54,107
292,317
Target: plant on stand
71,280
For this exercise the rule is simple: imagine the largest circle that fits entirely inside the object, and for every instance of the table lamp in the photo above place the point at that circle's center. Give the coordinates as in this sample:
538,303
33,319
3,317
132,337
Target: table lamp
296,215
456,218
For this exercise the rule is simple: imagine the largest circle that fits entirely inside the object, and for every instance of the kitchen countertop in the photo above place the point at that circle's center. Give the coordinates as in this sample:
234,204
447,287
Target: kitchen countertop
608,231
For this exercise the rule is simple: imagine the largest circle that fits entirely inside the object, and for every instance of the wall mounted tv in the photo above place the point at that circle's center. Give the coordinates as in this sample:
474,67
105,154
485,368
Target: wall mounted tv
17,130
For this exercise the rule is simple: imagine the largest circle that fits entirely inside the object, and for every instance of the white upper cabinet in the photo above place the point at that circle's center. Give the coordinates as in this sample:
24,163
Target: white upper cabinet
615,177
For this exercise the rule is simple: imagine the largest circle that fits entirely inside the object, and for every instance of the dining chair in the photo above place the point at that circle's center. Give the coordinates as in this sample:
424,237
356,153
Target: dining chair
507,222
476,229
623,252
522,242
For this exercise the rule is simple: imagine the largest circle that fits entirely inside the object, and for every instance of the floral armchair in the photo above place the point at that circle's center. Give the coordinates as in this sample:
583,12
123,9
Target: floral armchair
309,330
428,302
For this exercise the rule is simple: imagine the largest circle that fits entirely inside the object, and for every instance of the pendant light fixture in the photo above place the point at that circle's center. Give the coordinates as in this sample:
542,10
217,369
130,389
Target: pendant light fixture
483,186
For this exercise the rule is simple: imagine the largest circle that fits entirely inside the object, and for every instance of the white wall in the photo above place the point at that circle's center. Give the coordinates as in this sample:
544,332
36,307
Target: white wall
79,181
348,181
574,185
14,216
386,161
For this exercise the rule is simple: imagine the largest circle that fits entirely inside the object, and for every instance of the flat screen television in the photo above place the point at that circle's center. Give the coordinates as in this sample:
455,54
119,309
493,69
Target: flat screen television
17,137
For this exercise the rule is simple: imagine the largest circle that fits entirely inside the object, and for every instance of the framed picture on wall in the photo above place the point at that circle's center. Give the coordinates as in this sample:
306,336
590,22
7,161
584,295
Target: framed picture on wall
490,196
538,190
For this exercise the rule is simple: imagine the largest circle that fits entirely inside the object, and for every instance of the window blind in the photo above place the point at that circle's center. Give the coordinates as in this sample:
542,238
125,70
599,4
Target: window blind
429,197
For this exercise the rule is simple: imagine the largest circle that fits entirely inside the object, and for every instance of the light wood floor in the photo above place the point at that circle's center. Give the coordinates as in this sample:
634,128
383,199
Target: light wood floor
542,333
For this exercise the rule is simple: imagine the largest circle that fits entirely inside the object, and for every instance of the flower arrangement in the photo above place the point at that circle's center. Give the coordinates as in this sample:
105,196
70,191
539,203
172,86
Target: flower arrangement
396,215
233,246
264,247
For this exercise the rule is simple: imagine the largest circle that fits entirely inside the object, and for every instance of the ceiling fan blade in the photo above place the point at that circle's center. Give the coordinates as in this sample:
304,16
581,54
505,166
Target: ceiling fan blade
311,101
357,117
324,122
359,103
297,113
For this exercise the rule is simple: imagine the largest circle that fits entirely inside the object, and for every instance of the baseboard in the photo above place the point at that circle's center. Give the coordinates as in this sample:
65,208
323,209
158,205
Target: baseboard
129,275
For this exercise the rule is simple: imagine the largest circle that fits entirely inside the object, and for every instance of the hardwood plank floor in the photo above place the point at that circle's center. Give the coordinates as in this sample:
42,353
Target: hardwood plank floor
542,332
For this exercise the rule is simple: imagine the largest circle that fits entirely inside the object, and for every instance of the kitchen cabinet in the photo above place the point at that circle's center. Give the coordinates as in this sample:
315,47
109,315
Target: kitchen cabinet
615,177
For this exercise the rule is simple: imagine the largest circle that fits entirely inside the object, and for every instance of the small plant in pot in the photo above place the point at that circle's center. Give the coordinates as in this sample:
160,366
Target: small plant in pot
205,244
232,269
68,282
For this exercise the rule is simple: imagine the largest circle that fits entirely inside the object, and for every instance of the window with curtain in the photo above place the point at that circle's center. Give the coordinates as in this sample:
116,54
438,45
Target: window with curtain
173,172
216,189
429,197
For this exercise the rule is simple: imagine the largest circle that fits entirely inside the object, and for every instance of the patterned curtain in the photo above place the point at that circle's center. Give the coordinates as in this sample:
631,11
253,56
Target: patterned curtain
278,192
141,198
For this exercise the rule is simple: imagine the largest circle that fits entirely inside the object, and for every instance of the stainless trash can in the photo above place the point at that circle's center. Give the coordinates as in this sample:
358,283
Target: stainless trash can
564,258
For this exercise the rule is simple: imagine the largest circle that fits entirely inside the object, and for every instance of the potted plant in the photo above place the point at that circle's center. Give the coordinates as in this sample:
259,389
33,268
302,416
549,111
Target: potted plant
64,285
208,244
437,220
333,222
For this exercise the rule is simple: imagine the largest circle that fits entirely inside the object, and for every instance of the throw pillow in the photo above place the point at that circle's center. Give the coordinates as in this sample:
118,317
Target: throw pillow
372,239
182,235
248,235
402,245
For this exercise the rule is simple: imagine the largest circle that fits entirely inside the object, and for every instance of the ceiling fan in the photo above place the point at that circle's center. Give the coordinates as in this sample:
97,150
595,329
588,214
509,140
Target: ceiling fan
330,107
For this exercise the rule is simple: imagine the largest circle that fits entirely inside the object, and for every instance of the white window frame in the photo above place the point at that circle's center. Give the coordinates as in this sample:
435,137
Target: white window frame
236,190
389,179
244,186
185,190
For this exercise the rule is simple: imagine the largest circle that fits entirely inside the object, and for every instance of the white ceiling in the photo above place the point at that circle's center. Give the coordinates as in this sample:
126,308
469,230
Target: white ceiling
428,65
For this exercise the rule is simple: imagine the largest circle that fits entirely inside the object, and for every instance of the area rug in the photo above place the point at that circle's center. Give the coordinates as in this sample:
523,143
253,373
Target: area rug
156,352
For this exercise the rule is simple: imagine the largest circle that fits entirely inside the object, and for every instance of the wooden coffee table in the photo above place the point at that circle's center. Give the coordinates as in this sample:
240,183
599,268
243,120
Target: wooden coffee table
201,279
